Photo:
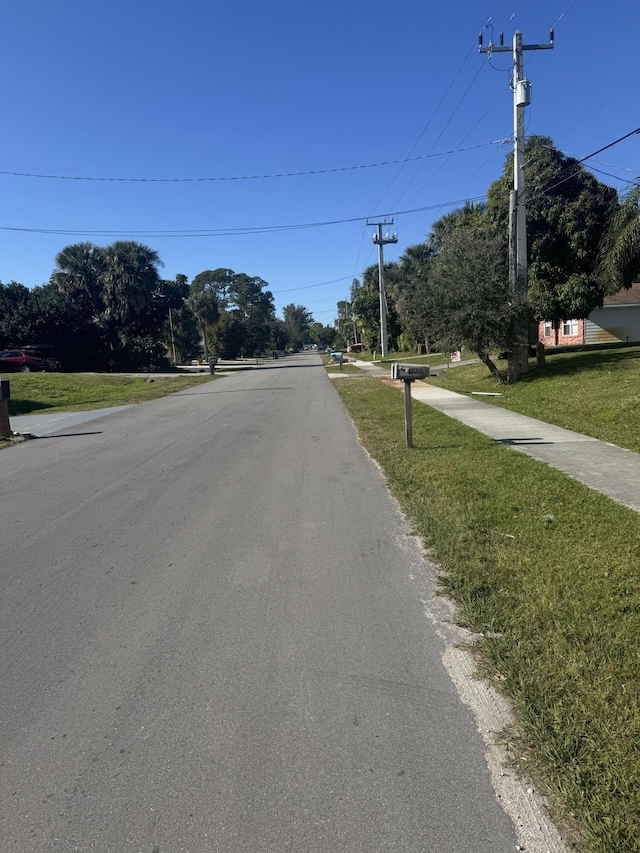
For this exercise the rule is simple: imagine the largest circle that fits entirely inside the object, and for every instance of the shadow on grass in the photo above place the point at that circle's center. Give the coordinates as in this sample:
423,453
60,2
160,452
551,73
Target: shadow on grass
26,407
570,364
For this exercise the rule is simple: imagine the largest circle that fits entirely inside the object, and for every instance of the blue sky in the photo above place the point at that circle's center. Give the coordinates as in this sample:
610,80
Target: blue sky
193,91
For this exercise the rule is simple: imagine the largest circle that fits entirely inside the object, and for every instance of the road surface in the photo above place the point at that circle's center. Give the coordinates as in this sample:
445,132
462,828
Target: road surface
214,638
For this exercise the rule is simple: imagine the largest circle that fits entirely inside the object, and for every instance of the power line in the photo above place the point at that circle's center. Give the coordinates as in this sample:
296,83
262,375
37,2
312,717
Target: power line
433,114
310,286
245,177
225,232
266,229
547,189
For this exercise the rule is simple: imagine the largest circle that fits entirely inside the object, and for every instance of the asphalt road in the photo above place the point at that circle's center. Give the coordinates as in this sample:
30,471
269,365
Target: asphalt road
213,639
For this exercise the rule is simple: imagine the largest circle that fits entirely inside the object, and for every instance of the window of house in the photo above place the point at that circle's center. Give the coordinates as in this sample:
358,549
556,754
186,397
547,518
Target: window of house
548,329
569,328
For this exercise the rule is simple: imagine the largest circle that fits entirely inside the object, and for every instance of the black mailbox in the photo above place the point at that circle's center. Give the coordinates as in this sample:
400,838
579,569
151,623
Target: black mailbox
409,372
5,392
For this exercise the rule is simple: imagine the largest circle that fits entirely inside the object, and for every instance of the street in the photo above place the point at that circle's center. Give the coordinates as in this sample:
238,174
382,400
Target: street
214,639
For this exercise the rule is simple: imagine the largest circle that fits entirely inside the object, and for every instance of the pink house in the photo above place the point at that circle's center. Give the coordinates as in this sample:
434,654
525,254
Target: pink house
618,321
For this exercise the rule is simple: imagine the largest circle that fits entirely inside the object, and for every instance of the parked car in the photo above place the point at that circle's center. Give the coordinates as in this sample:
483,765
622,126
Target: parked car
45,352
18,360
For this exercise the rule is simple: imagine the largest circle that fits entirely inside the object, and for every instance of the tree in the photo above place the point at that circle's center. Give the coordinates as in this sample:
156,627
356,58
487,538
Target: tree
445,226
219,282
60,321
297,322
127,282
77,274
365,303
278,335
245,298
46,315
115,285
365,306
323,335
186,336
567,213
345,321
253,306
229,336
412,301
619,254
205,309
469,303
15,314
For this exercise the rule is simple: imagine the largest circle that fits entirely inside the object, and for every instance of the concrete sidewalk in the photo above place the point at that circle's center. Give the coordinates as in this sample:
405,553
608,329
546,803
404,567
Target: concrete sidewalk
603,467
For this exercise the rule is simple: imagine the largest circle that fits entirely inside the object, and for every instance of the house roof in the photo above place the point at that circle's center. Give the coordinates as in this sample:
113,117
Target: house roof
630,296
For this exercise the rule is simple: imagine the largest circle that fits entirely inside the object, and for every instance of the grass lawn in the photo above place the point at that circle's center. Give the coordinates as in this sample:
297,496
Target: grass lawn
595,393
346,368
72,392
547,571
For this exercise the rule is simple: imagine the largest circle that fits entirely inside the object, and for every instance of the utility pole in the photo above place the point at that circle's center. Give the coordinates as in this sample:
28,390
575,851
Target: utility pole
519,358
173,343
380,241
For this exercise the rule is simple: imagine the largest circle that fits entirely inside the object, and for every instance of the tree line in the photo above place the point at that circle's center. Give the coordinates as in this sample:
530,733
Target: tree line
108,308
452,290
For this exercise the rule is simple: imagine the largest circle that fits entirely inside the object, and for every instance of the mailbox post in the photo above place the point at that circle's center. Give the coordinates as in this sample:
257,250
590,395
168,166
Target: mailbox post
408,373
337,358
5,394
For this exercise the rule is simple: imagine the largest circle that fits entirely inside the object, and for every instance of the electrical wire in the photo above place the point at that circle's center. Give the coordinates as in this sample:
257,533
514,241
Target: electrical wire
243,177
223,232
598,109
542,189
615,177
439,104
311,286
591,61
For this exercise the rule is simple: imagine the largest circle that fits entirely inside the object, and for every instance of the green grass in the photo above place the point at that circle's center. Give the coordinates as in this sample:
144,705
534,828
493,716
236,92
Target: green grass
547,571
594,393
346,368
69,392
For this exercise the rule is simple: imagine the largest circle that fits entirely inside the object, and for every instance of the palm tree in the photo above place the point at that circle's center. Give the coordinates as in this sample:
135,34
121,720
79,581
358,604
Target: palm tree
128,281
443,227
77,273
619,255
414,261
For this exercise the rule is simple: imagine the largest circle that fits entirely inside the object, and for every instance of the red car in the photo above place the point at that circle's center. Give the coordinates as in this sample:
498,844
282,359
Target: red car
19,360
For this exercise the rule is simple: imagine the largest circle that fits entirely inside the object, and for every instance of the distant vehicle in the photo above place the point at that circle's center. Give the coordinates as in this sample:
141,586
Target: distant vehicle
355,348
46,352
21,361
